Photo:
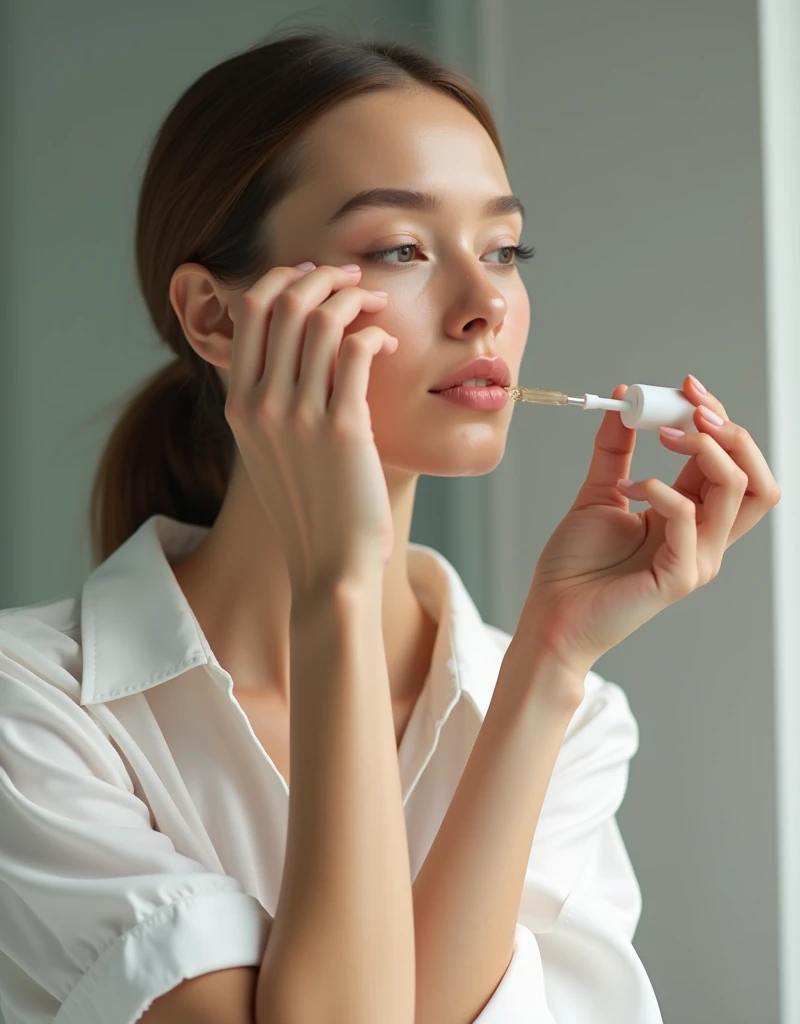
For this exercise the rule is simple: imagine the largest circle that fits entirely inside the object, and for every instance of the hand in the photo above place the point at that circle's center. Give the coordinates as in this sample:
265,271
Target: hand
607,570
300,419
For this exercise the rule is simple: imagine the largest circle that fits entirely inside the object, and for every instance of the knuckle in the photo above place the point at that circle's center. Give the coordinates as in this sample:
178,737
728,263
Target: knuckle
740,435
688,507
252,297
252,302
708,572
268,414
740,478
303,419
689,583
322,319
775,494
279,273
355,342
340,423
343,427
288,302
708,576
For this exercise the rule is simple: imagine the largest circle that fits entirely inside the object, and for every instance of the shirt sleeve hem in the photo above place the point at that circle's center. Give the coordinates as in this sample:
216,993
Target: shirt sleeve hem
182,939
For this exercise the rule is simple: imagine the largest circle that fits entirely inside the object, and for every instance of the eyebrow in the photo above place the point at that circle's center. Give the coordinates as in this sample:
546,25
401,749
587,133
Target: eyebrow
425,202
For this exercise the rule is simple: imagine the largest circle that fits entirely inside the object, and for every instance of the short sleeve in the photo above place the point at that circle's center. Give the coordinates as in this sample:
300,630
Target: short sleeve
573,960
99,914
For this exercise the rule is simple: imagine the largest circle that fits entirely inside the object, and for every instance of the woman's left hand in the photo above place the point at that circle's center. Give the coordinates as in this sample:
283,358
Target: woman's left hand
606,570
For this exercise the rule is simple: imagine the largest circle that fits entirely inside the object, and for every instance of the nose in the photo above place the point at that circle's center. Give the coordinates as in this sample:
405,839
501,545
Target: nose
478,308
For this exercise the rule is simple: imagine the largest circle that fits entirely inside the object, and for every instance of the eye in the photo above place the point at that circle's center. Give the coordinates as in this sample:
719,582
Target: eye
380,255
516,252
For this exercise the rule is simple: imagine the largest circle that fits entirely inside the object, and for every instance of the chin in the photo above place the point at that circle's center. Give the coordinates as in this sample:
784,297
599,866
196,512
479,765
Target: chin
451,459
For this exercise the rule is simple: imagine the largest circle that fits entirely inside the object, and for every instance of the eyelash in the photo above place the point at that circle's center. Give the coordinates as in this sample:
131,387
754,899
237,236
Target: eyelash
521,252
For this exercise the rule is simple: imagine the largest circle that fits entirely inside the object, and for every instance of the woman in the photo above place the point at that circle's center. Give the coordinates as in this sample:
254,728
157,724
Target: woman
326,239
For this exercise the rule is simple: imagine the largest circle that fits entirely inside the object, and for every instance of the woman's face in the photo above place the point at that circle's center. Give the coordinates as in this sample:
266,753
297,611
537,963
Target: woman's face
454,290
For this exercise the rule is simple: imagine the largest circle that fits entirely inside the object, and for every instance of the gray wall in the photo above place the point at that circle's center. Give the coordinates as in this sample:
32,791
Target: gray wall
633,138
85,86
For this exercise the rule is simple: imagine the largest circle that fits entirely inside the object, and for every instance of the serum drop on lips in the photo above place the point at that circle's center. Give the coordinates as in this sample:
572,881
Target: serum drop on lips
644,407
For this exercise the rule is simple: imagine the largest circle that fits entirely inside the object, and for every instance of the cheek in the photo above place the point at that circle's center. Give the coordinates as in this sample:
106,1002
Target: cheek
408,318
391,376
393,379
404,317
518,320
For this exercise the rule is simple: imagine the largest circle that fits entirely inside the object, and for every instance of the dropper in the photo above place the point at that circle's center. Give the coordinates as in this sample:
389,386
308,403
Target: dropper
645,406
542,396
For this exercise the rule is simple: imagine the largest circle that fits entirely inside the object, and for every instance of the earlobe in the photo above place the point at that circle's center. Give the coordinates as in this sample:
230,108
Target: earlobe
201,305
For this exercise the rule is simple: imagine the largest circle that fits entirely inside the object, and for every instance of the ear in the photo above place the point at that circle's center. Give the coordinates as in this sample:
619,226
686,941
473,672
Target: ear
201,304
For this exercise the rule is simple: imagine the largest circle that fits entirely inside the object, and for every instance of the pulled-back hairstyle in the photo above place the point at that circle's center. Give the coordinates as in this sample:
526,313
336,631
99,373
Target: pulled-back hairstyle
226,153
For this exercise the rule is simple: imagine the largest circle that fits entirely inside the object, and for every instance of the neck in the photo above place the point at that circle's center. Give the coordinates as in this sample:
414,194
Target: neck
237,585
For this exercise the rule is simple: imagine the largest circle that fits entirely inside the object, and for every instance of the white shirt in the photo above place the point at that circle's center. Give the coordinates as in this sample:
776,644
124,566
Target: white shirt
143,825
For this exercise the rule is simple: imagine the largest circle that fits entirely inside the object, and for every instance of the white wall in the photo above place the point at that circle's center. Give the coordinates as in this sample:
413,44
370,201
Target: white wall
633,138
780,105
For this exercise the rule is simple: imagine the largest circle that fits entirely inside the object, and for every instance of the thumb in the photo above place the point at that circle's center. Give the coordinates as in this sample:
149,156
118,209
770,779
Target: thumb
611,459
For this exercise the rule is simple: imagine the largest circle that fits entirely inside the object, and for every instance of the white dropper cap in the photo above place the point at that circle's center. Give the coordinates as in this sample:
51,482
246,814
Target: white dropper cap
649,407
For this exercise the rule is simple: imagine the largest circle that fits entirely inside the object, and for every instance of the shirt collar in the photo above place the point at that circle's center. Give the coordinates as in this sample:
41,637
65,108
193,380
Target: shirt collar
138,629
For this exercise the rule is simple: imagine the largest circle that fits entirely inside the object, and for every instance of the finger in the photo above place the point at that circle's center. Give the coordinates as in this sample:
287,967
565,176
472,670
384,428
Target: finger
675,562
611,459
699,396
761,490
721,503
353,368
325,327
247,353
287,324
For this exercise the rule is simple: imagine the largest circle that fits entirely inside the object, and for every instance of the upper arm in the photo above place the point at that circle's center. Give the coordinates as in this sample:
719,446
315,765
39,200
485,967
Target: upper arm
100,914
220,997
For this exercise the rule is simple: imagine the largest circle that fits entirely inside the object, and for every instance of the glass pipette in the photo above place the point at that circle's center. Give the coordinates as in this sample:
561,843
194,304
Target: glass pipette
543,396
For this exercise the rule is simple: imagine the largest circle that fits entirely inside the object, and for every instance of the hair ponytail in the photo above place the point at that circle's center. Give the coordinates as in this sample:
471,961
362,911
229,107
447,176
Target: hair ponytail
170,452
225,155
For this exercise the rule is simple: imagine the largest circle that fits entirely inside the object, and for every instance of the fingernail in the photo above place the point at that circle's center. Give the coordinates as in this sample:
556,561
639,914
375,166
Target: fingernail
305,266
711,416
698,385
378,291
350,267
625,483
672,432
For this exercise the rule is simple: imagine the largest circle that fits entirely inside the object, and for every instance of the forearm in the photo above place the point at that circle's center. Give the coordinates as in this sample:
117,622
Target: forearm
342,943
468,891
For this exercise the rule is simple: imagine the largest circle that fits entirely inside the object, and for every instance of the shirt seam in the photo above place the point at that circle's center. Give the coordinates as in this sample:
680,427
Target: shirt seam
89,979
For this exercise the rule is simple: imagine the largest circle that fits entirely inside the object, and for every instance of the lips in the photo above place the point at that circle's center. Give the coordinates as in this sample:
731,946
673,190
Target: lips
490,368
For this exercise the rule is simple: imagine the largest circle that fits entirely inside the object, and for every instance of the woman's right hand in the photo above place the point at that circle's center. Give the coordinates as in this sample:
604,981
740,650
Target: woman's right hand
297,407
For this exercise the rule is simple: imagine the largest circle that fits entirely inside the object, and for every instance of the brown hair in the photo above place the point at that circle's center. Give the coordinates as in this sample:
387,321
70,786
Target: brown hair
226,153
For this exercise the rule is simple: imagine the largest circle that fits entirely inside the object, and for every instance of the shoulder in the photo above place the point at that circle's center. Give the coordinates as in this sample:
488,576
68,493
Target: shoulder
40,649
43,623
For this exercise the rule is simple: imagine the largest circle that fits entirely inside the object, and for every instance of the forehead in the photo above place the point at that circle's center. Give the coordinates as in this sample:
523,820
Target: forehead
412,138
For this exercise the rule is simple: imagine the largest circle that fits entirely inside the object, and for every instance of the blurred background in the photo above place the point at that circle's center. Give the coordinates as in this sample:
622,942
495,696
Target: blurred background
656,147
